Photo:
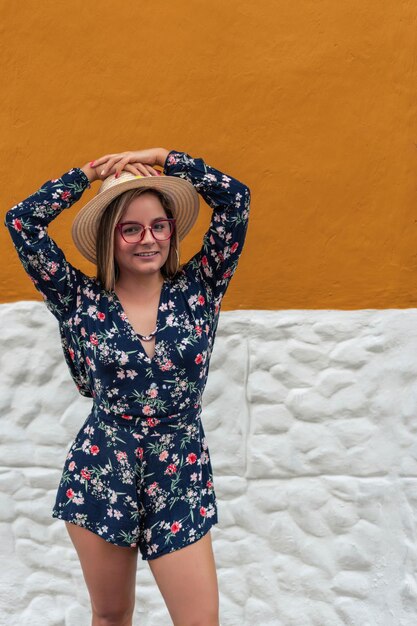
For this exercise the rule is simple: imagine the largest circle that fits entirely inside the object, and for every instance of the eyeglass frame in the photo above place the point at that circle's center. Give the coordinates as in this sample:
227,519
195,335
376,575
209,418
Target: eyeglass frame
145,228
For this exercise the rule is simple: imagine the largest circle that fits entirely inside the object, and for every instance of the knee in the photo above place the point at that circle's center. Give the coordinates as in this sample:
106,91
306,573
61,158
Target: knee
113,617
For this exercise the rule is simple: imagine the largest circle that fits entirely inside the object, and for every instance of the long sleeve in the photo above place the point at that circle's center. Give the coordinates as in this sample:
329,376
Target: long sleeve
222,246
53,276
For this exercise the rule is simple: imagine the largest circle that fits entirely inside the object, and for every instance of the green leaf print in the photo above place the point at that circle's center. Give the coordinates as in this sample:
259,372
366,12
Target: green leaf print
127,537
66,477
156,448
154,403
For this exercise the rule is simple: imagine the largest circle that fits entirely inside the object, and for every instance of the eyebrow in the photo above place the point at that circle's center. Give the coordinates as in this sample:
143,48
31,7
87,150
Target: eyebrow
154,220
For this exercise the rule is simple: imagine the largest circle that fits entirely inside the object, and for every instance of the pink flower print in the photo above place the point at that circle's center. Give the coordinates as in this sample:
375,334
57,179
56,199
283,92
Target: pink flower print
93,339
163,455
139,453
131,374
83,331
70,493
123,358
17,224
191,458
94,450
234,247
66,195
127,417
172,160
71,353
71,466
147,410
202,511
53,267
101,316
227,274
121,456
152,488
85,474
152,393
198,359
90,363
176,526
207,329
151,421
171,469
198,331
209,484
167,365
204,260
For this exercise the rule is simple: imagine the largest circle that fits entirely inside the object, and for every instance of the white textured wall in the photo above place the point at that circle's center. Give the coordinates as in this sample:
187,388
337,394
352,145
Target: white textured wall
311,423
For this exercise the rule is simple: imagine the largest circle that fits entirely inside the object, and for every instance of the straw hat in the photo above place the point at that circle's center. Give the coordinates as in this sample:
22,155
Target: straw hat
183,195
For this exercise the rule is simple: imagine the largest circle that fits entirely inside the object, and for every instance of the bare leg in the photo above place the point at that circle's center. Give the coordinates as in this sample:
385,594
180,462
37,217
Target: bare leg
110,575
187,580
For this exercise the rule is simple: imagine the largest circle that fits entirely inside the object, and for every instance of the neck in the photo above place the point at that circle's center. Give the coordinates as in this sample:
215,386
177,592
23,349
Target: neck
146,285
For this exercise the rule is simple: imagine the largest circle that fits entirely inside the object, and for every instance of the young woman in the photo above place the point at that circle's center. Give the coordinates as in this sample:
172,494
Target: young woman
138,339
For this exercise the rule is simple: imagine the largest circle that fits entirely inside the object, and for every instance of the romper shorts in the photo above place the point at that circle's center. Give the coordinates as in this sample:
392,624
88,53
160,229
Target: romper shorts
139,482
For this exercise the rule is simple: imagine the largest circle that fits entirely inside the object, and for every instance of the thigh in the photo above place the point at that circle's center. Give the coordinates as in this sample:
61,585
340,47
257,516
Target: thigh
109,571
187,580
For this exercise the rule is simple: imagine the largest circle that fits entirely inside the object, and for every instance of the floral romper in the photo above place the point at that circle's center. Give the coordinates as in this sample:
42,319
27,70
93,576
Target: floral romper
138,472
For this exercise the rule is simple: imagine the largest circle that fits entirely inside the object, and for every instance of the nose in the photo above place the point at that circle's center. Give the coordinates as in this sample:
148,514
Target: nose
147,235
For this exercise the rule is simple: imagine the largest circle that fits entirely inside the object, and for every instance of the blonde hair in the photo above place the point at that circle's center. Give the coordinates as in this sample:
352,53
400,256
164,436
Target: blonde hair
107,268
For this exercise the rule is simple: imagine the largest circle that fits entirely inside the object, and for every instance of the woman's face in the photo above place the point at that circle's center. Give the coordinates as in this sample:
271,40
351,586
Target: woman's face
145,209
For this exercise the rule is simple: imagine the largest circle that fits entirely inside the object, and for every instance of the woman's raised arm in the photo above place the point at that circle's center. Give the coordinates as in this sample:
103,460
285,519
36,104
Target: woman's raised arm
217,260
45,263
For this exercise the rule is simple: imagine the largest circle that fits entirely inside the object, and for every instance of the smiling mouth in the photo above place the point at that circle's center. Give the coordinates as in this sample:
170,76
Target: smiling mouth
146,254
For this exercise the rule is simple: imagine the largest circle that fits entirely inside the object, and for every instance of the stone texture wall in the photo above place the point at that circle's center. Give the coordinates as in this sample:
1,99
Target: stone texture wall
311,422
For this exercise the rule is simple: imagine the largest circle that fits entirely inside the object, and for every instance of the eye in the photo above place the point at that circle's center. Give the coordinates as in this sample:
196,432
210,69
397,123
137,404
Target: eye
162,225
128,230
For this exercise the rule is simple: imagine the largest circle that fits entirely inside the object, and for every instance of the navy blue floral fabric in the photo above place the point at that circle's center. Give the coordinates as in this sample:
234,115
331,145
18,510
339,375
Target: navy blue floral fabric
138,472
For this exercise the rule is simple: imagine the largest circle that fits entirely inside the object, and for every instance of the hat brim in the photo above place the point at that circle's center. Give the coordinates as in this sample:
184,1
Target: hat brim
184,197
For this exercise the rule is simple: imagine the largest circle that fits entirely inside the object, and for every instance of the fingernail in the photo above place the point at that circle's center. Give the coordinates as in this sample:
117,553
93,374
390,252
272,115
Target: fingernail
117,175
102,172
92,163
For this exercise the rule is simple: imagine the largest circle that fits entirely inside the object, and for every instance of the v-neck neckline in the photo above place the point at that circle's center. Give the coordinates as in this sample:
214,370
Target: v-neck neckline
133,332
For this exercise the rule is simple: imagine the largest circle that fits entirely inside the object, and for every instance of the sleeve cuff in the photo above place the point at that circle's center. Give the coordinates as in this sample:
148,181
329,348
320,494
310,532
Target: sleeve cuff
166,166
82,176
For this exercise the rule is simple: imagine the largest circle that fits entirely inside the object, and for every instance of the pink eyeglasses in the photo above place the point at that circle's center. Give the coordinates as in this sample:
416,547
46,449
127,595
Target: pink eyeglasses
134,232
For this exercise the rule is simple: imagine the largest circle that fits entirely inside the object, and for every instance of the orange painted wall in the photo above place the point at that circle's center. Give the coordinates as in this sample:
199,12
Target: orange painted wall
311,103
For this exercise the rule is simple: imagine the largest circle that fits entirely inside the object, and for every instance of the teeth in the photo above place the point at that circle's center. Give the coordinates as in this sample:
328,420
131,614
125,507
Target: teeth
146,254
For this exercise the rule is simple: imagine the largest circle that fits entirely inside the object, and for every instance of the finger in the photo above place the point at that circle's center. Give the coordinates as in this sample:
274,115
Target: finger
131,168
142,169
123,165
112,165
150,169
102,159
